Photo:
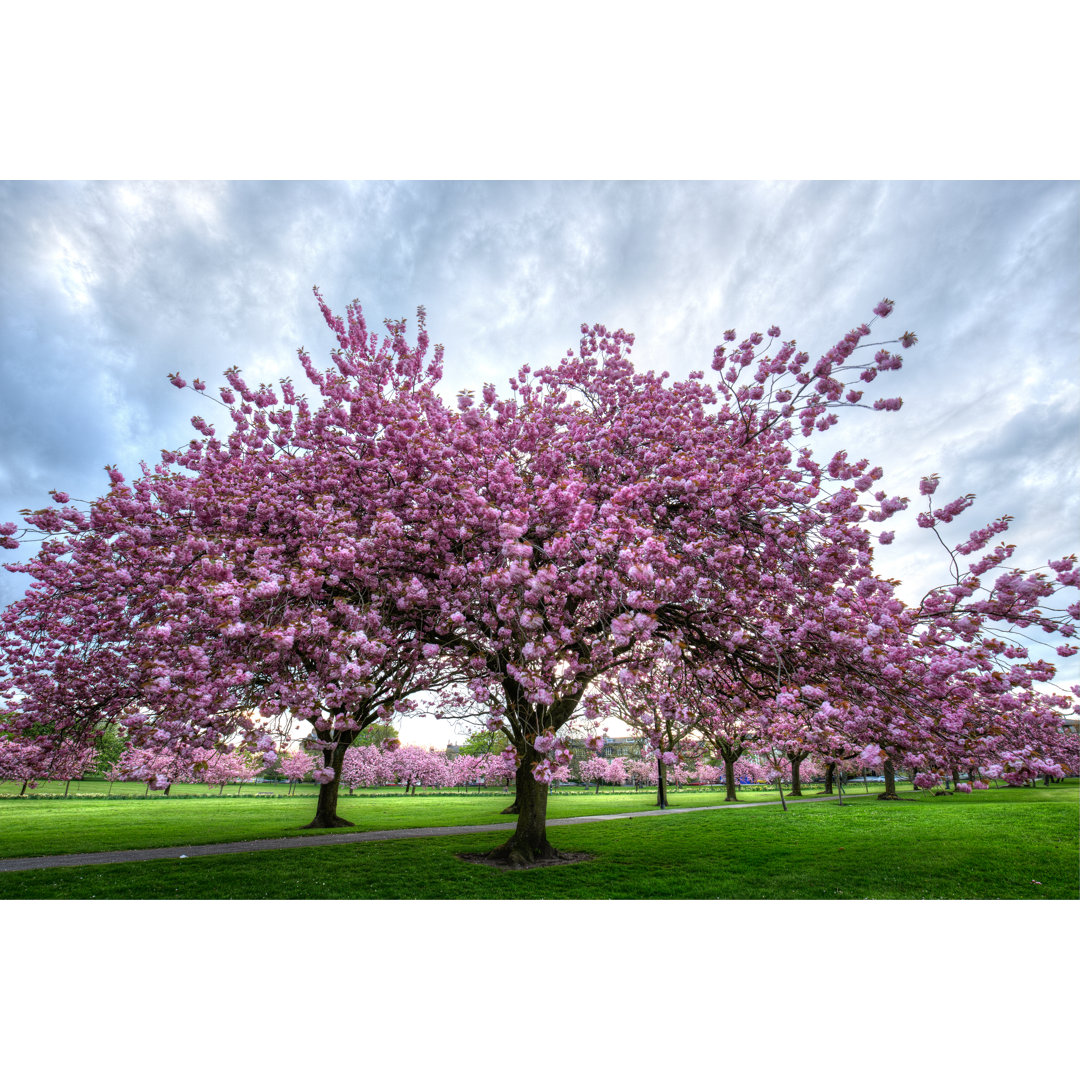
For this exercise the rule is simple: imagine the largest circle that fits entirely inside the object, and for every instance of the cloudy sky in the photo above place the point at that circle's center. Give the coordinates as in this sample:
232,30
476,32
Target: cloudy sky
107,287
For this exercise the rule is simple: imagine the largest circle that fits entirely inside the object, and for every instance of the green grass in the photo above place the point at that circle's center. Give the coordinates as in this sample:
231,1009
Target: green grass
996,844
53,826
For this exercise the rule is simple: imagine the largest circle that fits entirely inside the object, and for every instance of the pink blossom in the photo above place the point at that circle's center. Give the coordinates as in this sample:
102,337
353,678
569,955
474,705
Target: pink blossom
543,771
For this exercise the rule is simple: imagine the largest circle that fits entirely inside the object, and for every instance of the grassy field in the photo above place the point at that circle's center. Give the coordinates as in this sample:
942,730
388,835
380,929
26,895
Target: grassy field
996,844
54,826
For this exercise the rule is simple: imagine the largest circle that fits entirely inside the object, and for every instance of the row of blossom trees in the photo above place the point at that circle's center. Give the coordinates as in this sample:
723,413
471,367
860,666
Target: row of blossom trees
413,766
594,540
363,766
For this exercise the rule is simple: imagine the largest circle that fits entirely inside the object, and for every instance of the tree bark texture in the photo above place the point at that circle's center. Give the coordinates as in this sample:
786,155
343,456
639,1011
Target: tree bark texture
796,783
513,807
890,780
529,842
326,815
661,785
830,771
730,789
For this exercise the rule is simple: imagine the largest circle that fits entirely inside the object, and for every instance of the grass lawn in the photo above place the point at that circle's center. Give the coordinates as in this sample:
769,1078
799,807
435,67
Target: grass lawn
60,826
996,844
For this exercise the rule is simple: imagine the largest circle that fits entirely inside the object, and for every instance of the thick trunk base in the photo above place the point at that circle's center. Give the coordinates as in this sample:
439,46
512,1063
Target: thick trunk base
517,852
326,815
889,772
730,787
529,844
513,808
328,821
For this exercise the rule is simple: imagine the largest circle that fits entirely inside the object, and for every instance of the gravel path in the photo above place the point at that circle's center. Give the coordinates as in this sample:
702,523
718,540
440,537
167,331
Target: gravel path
284,843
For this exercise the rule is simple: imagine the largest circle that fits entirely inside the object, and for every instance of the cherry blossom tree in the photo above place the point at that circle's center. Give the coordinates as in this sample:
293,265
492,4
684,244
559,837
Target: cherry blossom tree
367,766
500,768
295,766
158,768
25,761
730,734
71,763
221,767
594,770
707,774
413,766
680,775
649,696
466,769
244,582
640,771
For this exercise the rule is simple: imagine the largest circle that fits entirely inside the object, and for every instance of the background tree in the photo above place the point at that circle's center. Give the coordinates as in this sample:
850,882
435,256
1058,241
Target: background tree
295,766
484,742
376,734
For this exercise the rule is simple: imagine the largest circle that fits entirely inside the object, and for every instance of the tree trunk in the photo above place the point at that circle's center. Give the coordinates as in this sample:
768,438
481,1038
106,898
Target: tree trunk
326,815
24,783
830,771
513,807
796,784
529,842
730,792
66,786
661,786
168,788
890,781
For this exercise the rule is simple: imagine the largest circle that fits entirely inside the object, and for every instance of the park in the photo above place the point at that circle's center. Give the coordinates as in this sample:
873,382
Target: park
599,546
1001,843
